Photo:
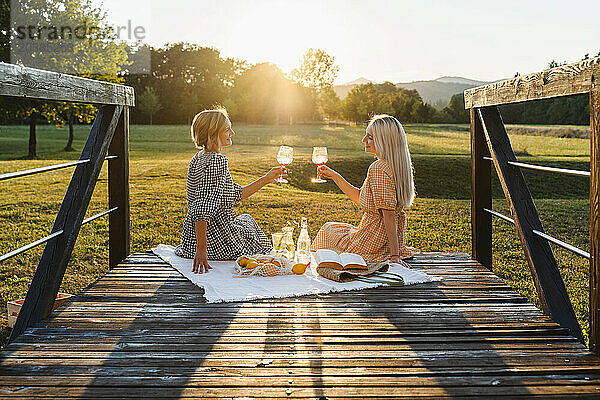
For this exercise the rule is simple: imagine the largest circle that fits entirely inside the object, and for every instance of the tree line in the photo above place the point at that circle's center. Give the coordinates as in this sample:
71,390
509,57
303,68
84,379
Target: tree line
185,78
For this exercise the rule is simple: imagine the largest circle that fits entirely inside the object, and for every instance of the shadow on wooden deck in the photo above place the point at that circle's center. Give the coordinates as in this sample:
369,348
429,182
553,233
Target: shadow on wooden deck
142,330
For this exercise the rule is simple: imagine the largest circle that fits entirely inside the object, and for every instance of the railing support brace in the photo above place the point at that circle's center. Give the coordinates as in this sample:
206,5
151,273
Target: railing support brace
548,282
53,263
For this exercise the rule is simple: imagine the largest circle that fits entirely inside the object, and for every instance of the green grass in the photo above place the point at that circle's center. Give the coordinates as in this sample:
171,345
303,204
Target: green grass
439,220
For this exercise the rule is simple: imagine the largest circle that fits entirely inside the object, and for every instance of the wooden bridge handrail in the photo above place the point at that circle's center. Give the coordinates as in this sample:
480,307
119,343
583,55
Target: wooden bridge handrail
565,80
25,82
109,135
48,276
483,102
549,284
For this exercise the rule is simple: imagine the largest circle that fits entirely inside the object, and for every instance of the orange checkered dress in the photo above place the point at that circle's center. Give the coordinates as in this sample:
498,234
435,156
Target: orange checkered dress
369,239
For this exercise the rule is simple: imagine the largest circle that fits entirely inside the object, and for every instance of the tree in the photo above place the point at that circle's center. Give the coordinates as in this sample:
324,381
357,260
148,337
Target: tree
97,55
317,72
370,99
5,31
61,113
189,78
263,94
331,105
455,110
360,103
186,78
148,102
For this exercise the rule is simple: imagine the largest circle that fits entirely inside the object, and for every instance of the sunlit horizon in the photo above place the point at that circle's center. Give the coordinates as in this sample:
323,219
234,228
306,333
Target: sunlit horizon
397,41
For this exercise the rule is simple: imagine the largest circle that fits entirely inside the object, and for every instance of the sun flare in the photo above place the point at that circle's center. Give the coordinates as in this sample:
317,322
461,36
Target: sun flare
280,34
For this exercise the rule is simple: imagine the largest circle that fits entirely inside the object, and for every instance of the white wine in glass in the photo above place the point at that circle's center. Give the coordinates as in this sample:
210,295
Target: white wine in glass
285,156
319,157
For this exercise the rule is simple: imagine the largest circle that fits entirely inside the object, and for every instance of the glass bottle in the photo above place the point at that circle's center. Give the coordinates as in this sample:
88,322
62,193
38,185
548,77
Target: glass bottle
303,248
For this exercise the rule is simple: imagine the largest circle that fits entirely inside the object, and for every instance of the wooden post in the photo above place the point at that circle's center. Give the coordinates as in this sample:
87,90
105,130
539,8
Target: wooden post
548,282
32,137
481,195
118,192
57,253
594,318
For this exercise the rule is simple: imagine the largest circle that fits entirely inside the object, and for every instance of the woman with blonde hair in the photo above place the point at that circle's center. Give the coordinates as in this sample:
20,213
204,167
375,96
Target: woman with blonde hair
385,194
211,229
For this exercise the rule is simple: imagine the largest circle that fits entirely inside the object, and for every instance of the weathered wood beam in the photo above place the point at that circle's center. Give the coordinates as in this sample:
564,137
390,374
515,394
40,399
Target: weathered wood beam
560,81
18,81
118,193
57,253
548,282
594,318
481,195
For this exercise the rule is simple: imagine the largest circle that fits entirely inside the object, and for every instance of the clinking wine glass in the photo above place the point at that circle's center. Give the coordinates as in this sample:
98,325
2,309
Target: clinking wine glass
319,157
285,156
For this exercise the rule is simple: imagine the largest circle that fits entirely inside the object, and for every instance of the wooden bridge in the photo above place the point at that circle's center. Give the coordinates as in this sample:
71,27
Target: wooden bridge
142,330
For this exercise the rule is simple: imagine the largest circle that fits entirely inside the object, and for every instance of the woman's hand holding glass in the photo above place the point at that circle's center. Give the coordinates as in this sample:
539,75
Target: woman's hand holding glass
285,156
319,157
325,171
275,173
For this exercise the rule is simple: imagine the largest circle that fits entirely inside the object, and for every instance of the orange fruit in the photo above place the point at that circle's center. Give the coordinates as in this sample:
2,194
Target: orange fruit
299,268
251,264
243,261
275,262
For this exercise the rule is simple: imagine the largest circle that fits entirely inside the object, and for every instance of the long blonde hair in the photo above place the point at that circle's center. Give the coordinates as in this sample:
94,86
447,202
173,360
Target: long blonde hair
391,145
207,126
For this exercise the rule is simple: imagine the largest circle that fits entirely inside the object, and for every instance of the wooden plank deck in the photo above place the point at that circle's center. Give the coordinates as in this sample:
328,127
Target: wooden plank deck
142,331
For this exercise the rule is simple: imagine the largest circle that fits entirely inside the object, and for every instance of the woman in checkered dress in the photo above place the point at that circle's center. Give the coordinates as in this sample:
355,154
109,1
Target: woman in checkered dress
387,190
211,229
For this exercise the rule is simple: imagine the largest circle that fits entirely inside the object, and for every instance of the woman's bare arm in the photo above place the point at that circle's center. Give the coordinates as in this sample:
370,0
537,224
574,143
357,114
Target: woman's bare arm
391,229
254,187
349,190
201,256
258,184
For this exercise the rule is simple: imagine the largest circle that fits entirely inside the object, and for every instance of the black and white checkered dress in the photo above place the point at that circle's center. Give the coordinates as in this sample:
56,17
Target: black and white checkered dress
211,195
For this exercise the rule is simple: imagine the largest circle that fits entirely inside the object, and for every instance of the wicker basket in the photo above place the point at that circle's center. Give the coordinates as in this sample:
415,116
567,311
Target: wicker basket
284,267
13,307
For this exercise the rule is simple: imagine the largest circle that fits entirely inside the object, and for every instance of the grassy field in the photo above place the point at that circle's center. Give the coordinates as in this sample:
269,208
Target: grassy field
439,220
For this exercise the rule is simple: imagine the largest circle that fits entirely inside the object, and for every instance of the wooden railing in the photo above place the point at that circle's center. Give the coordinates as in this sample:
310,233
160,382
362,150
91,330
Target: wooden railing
109,135
490,142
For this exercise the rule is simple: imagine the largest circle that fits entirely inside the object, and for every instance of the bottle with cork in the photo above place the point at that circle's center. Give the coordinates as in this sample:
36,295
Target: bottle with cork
303,247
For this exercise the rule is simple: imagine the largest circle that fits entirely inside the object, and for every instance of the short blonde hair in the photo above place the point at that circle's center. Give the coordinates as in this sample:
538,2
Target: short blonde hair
207,126
391,145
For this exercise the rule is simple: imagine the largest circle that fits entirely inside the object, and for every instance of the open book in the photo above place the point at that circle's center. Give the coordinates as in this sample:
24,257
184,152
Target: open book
330,259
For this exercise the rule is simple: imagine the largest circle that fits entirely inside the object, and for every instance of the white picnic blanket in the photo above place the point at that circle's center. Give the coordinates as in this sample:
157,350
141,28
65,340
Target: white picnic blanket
220,286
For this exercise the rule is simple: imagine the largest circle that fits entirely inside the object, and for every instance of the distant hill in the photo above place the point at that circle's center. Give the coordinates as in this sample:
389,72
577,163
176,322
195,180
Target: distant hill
343,90
439,91
458,79
436,92
359,81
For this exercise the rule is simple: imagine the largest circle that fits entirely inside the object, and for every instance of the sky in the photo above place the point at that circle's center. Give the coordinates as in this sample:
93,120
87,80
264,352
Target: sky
381,40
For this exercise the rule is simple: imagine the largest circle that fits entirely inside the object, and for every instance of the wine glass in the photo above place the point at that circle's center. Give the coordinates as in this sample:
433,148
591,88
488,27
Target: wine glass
277,241
319,157
285,156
